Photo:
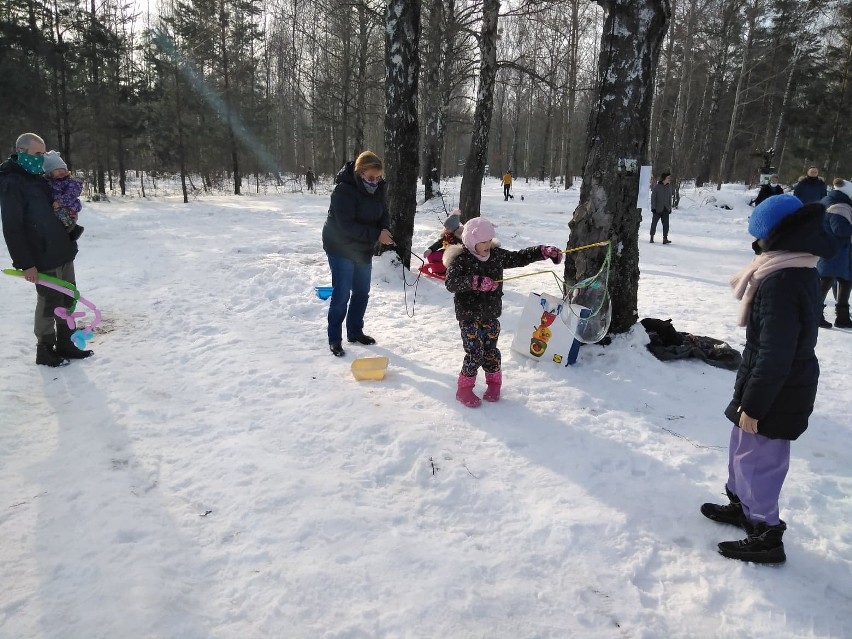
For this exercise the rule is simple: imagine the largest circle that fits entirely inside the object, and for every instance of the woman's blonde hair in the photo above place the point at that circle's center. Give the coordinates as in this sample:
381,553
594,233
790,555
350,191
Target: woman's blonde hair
368,160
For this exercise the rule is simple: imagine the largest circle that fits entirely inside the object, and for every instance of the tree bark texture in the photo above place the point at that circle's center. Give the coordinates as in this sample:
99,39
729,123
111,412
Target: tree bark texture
402,133
618,135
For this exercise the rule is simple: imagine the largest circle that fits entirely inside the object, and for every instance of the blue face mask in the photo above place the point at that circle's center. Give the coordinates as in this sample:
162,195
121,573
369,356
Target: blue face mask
31,163
371,188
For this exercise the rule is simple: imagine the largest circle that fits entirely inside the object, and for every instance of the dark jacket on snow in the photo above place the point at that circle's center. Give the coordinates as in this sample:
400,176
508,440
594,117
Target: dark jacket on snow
34,235
777,380
462,265
810,189
355,217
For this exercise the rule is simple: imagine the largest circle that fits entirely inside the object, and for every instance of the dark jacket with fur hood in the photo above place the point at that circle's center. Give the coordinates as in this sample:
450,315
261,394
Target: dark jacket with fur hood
462,265
777,379
355,217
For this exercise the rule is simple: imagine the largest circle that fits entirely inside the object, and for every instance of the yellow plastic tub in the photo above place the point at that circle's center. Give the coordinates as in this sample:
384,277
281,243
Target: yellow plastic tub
370,368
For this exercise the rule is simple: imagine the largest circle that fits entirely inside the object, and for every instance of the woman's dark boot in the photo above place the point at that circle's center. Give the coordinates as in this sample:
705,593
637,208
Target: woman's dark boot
46,354
842,319
763,545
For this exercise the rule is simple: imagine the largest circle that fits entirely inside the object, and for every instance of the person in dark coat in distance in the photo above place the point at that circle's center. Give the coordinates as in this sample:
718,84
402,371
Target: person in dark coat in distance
39,243
838,268
768,190
474,274
811,188
661,206
310,180
776,383
358,217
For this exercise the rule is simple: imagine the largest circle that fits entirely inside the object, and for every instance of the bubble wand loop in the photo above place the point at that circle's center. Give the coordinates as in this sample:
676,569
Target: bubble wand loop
80,336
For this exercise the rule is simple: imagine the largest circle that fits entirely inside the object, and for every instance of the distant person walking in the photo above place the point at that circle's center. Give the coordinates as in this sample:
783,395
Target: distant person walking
661,206
310,180
811,188
507,186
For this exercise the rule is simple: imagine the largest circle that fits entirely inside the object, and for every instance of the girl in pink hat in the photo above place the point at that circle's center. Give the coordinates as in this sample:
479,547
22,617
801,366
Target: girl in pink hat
474,274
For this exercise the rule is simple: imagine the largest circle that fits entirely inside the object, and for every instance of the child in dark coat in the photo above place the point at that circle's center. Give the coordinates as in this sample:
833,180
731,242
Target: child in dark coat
777,380
474,274
435,253
66,193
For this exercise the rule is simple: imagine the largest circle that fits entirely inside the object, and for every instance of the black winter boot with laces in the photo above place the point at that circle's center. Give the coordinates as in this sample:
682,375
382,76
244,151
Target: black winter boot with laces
731,513
763,545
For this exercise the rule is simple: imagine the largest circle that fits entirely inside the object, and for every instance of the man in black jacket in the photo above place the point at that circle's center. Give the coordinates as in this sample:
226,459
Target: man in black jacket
38,243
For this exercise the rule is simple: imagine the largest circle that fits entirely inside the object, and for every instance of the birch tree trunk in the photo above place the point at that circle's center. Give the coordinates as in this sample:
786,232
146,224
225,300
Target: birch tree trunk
470,196
402,133
618,134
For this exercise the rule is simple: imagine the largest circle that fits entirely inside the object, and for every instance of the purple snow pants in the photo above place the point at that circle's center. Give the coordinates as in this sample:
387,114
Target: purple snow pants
757,467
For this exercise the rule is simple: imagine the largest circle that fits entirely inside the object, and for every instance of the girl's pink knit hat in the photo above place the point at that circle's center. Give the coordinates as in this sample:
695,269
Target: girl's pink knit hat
475,231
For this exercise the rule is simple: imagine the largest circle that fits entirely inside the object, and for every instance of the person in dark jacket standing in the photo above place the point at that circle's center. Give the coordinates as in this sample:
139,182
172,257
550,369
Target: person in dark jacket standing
357,218
38,243
838,268
811,188
474,274
768,190
776,383
661,206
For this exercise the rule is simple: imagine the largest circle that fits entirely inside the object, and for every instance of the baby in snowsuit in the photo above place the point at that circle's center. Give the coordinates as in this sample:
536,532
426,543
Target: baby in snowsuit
474,274
66,193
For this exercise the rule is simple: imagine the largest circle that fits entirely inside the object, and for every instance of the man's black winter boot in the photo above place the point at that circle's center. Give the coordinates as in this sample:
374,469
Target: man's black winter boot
763,545
731,513
46,355
65,347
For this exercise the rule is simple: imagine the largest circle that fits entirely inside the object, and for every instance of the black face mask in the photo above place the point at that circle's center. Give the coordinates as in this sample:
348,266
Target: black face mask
757,247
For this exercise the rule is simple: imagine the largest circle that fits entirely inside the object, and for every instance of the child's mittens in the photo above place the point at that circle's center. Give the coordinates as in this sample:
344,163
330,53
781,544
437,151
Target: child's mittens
427,252
484,284
553,253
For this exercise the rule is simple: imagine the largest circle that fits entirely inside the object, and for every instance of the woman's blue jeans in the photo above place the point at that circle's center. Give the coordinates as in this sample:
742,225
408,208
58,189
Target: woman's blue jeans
351,282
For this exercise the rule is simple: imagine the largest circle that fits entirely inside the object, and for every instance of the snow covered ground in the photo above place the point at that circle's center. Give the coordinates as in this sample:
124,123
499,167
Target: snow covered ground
213,472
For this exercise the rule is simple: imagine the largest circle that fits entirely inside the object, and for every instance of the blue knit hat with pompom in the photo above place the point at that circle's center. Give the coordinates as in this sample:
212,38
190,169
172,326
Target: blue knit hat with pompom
769,213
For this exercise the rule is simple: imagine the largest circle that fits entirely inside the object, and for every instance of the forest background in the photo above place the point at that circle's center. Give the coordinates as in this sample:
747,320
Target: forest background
241,94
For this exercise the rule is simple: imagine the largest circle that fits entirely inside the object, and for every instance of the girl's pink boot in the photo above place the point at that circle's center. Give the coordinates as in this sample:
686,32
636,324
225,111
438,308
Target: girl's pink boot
494,381
465,392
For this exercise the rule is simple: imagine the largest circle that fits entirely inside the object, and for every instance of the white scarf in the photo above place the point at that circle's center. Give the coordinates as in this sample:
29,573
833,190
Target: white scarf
746,281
